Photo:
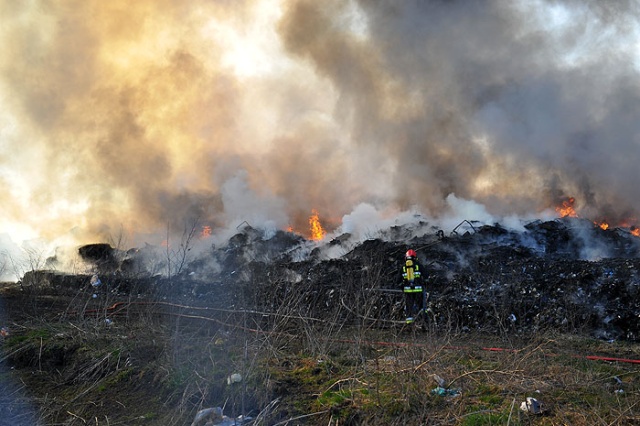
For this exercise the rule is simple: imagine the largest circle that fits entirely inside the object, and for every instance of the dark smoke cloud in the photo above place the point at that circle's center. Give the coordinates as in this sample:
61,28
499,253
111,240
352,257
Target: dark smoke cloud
151,115
505,103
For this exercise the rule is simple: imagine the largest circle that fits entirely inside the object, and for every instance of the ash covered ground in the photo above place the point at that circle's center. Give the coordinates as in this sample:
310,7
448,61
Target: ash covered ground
565,274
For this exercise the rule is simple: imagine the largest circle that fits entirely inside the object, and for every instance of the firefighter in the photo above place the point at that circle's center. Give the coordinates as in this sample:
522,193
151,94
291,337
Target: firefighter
412,286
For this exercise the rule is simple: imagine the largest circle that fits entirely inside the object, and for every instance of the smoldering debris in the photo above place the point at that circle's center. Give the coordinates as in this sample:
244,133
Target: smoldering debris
478,280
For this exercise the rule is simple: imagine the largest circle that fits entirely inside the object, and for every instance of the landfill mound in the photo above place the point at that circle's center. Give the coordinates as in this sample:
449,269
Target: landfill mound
564,274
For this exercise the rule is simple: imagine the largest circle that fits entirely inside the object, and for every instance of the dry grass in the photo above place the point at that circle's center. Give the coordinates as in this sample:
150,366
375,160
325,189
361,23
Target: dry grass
158,363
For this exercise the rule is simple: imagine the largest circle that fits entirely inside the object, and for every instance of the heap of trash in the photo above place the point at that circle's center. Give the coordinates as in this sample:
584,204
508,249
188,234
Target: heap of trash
564,274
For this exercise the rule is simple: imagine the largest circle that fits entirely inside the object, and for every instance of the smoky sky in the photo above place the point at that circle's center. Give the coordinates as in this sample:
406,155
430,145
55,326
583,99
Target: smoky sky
152,115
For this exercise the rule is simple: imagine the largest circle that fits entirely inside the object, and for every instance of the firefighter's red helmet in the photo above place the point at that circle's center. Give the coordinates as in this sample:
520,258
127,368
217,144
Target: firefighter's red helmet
411,253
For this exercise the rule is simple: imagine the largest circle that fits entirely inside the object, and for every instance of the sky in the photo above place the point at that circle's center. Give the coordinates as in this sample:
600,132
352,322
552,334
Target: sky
137,120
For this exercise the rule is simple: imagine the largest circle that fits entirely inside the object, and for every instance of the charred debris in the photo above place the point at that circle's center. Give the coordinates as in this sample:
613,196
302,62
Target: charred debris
564,274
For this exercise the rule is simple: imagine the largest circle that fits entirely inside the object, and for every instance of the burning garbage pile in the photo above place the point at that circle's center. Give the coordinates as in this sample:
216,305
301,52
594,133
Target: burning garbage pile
564,274
575,277
567,274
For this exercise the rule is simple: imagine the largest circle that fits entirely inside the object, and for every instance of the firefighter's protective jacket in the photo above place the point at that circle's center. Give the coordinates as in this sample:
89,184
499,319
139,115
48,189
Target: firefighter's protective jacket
412,276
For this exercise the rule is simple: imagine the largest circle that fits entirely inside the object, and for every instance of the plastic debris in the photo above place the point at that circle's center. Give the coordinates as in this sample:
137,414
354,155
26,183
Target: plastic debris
440,381
229,421
234,378
440,391
213,415
95,281
4,332
531,405
619,384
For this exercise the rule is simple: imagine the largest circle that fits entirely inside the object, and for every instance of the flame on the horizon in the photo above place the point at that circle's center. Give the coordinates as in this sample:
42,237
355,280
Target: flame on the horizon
567,210
635,231
603,225
317,232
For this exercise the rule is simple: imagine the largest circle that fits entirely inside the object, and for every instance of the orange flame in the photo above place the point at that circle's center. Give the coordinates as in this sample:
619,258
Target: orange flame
603,225
567,210
635,231
206,231
317,233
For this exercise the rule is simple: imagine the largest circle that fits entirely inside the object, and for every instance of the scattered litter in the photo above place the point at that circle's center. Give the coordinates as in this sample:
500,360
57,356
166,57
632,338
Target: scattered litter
531,405
440,381
228,421
214,417
512,318
95,281
205,415
234,378
95,296
108,321
440,391
619,382
4,332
